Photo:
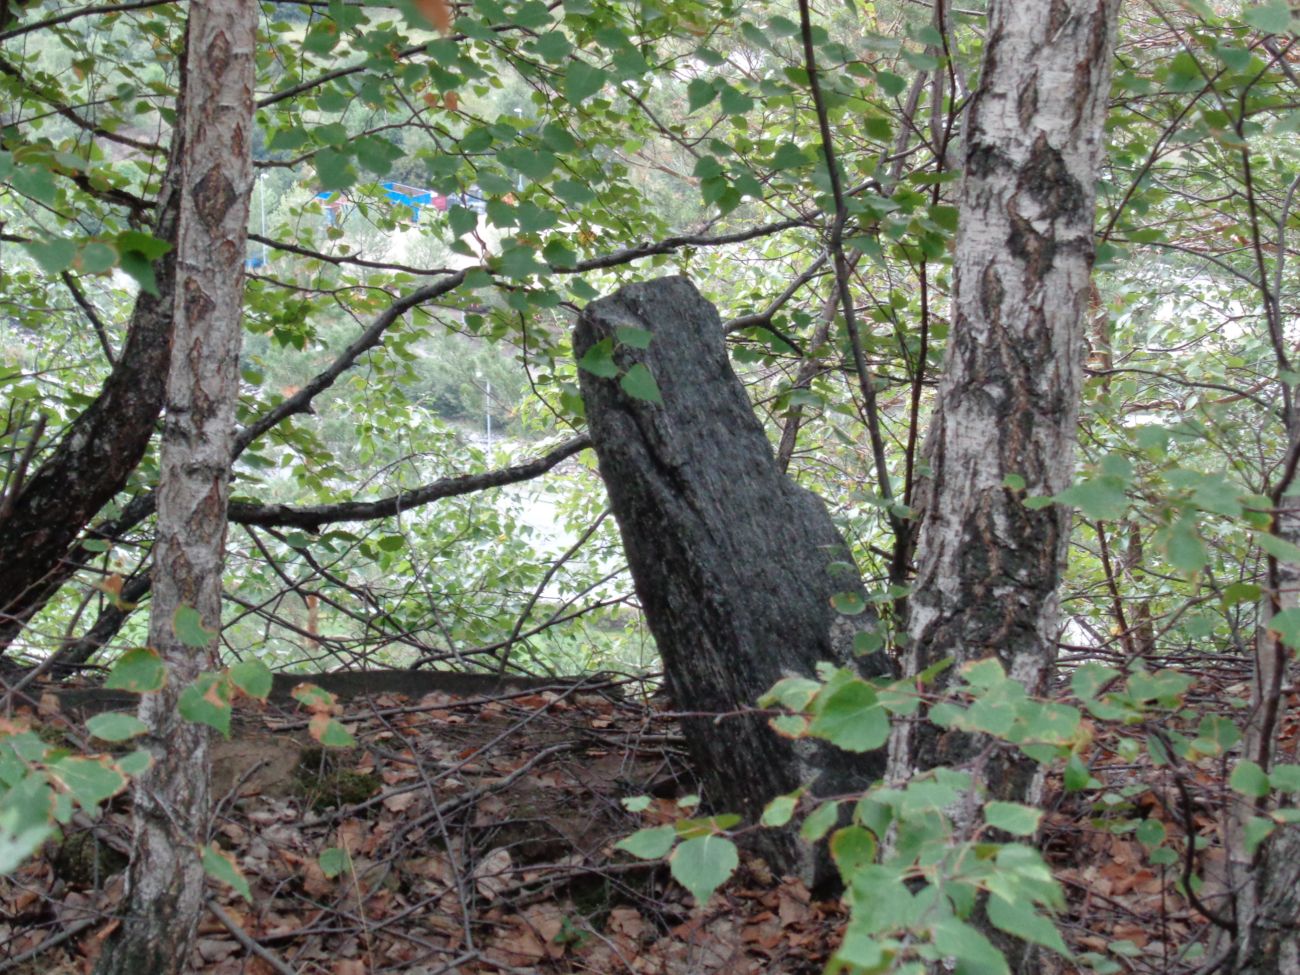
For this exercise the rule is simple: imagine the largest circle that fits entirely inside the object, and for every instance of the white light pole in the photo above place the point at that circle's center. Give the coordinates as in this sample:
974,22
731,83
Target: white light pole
487,403
261,197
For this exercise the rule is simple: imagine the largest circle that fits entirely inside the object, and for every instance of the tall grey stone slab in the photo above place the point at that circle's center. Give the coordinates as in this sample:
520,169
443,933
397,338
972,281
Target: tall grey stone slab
734,564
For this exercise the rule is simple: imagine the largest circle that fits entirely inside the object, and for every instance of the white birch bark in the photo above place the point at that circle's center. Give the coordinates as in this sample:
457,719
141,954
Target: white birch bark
1007,405
166,879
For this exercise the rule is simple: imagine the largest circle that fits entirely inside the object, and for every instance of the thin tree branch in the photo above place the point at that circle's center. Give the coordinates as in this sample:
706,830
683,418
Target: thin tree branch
311,517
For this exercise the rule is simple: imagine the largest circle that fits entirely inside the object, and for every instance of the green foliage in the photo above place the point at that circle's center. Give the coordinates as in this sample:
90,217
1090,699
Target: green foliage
116,726
221,866
137,670
42,785
702,857
703,863
207,701
595,135
252,677
333,861
188,626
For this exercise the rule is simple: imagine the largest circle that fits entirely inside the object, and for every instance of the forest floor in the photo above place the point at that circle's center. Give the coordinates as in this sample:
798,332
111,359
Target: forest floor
476,835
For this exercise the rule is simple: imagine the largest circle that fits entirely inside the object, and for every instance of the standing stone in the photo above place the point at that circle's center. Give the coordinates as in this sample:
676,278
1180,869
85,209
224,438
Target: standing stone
734,564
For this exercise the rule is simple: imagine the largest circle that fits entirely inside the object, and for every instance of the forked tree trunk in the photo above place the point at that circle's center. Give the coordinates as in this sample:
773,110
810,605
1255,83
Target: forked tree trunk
166,878
734,564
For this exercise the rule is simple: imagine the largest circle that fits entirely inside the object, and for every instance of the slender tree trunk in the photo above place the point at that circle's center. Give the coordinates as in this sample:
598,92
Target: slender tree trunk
1266,881
171,799
1007,407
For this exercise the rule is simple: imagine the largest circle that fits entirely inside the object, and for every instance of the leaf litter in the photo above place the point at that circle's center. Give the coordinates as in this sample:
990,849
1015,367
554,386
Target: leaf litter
476,836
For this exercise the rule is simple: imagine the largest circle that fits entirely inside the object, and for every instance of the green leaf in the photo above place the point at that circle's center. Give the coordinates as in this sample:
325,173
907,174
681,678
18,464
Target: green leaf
536,164
1184,547
1150,833
636,803
220,866
789,725
890,83
1257,830
1216,735
780,810
207,701
1165,687
133,763
599,360
1249,779
376,154
333,861
1286,625
1019,918
582,81
313,697
321,39
553,46
1011,817
89,780
1279,548
1270,16
116,726
53,255
795,693
972,952
734,101
852,848
1285,778
820,821
334,169
146,245
699,92
649,844
330,732
520,261
141,271
1240,592
636,338
638,383
849,603
462,220
252,677
867,642
1102,498
139,670
1076,775
703,864
187,624
705,825
852,718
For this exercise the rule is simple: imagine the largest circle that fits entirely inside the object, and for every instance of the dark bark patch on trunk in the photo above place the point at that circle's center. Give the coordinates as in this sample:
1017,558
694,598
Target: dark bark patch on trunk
1046,179
213,197
1028,245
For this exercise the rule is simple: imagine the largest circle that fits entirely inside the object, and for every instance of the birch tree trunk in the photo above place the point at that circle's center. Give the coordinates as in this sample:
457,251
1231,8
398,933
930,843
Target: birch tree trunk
1004,425
166,877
